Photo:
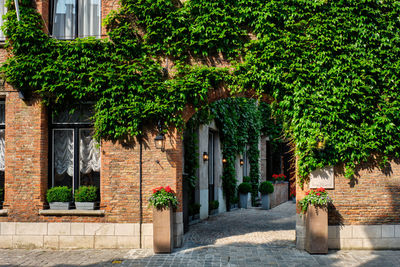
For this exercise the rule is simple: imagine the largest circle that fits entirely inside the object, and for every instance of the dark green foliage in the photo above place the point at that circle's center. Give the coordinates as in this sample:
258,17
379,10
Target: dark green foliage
86,194
328,63
1,194
266,187
246,179
244,188
240,124
213,205
194,209
59,194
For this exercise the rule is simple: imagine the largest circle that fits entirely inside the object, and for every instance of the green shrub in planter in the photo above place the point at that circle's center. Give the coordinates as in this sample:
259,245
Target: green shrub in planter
266,188
59,194
244,188
246,179
86,194
196,208
214,205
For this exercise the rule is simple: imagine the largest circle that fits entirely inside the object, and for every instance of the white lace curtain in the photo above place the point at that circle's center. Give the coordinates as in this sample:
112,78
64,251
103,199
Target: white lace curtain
64,18
64,152
89,152
2,147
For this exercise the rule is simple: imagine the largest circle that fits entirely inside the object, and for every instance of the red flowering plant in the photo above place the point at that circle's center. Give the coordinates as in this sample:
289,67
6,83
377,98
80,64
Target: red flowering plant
317,197
163,197
293,192
278,177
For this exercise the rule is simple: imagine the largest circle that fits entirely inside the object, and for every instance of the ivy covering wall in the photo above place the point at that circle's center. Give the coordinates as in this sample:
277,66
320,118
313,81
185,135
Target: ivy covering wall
240,121
332,68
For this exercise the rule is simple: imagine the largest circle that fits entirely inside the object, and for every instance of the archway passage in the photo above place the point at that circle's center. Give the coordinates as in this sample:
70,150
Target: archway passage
232,142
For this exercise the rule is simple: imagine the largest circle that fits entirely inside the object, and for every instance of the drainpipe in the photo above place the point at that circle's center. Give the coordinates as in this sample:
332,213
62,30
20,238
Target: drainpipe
17,8
140,190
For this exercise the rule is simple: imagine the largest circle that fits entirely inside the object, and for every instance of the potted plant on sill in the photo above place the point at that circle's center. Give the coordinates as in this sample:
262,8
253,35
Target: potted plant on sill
293,194
163,201
234,204
265,189
86,197
278,178
59,197
1,197
213,207
315,206
194,211
244,189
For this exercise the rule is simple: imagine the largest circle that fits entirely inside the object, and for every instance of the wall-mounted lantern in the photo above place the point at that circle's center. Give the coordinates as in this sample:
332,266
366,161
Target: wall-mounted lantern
159,141
224,160
241,162
205,156
320,139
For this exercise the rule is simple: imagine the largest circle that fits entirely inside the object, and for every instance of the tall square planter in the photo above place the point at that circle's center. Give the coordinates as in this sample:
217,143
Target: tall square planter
163,230
317,230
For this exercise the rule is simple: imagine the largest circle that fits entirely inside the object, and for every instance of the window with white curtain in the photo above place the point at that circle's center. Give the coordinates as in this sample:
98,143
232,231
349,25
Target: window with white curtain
3,11
2,140
75,153
76,18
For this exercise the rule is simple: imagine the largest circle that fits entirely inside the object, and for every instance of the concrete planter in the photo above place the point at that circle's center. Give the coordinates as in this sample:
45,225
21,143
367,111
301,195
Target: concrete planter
60,205
85,205
213,212
317,230
162,230
243,200
265,203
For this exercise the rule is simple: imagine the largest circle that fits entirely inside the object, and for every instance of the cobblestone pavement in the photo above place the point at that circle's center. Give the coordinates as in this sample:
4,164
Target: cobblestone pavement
274,228
240,238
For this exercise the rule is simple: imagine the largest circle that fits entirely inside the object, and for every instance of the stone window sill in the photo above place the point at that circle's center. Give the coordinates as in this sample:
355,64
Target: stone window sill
3,212
72,212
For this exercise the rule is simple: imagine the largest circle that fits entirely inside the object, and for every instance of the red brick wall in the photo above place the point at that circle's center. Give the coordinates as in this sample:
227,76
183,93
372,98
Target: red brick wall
373,197
120,176
26,174
25,157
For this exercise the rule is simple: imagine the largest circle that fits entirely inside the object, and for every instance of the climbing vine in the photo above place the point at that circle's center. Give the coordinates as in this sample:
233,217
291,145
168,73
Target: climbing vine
331,67
239,123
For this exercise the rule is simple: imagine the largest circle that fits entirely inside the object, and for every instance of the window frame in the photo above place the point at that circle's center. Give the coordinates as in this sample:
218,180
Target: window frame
75,127
3,127
3,39
51,20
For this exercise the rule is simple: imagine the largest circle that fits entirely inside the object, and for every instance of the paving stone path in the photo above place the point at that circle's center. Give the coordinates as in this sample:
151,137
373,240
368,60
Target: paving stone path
274,228
250,237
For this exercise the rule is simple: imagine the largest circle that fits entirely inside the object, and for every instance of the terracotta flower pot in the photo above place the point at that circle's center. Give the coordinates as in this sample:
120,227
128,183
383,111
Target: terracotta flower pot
317,230
162,230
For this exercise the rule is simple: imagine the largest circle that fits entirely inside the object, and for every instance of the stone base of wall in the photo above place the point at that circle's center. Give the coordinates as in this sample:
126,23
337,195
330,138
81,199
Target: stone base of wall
31,235
364,237
74,235
354,236
280,194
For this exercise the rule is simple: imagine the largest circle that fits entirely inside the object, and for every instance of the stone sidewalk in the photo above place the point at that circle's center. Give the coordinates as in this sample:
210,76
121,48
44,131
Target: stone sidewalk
250,237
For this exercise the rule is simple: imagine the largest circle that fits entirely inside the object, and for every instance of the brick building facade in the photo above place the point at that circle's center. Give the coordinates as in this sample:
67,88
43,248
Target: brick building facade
367,211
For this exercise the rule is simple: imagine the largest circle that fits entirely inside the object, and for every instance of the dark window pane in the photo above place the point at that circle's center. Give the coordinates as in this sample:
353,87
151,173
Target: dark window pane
64,19
2,112
82,114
